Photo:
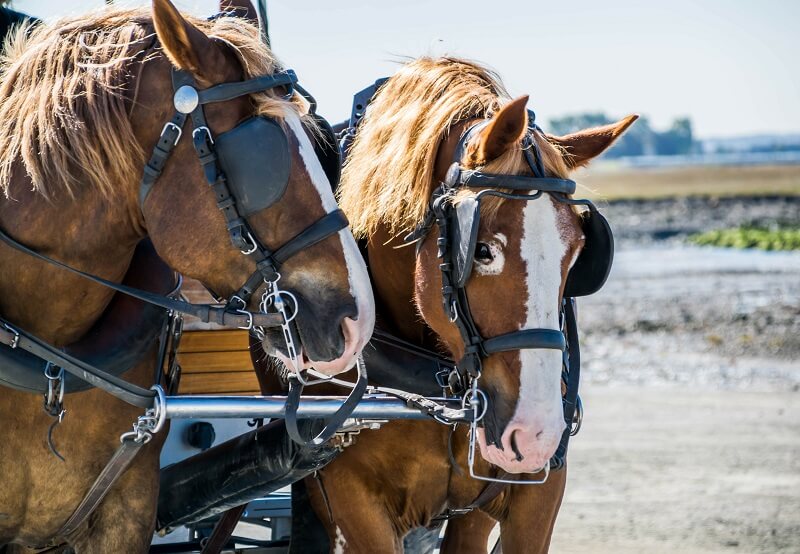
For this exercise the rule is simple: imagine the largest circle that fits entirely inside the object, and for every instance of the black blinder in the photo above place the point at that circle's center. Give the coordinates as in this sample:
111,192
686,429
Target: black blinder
593,265
327,150
256,160
465,224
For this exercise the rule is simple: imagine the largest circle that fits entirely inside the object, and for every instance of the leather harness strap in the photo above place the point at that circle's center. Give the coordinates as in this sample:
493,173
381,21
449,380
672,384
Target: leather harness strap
119,462
223,530
204,312
128,392
489,493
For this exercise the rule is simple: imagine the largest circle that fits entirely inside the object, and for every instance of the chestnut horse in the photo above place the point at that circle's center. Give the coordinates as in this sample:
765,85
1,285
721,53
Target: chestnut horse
401,477
82,103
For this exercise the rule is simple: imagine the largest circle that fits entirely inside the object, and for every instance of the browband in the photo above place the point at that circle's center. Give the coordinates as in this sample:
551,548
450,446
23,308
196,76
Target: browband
229,91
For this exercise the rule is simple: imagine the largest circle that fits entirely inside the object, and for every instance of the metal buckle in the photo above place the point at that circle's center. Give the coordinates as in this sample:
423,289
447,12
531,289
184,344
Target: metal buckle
53,401
254,246
10,329
203,128
243,311
442,378
169,124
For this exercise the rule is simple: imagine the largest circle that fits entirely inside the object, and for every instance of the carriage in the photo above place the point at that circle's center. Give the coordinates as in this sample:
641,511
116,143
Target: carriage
205,344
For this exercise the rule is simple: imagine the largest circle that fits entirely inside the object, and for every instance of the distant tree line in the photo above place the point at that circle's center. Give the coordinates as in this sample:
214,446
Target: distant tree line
640,140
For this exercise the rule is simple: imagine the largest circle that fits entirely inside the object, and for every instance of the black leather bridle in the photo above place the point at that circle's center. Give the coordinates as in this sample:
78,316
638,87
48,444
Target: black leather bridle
189,102
454,295
464,376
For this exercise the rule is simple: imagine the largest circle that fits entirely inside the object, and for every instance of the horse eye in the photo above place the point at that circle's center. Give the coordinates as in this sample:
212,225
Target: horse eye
483,252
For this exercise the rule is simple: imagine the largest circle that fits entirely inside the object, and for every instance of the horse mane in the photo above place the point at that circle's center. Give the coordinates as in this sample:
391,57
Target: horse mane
68,88
406,121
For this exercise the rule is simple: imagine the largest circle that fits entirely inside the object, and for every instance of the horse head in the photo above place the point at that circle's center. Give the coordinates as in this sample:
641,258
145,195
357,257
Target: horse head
264,148
519,257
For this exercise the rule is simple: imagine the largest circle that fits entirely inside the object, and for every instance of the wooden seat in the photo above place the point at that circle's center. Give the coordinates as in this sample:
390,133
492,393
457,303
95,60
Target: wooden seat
214,360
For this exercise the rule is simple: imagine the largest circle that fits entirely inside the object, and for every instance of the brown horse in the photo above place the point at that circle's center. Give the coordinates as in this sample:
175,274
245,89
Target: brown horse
401,477
82,104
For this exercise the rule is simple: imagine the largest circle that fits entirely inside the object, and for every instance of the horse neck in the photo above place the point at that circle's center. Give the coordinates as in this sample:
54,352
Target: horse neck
392,270
95,234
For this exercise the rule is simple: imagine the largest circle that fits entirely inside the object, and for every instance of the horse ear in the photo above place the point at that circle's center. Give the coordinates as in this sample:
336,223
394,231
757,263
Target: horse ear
506,128
186,46
581,147
240,8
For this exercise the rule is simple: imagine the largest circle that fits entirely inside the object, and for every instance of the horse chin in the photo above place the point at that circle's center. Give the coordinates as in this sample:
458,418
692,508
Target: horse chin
346,362
508,461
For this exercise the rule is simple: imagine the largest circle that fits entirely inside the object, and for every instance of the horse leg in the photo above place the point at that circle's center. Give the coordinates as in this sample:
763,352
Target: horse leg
468,534
354,517
531,514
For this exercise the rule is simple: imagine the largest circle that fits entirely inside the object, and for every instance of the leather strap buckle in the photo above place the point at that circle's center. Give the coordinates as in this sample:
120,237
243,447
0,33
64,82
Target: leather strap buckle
174,127
13,340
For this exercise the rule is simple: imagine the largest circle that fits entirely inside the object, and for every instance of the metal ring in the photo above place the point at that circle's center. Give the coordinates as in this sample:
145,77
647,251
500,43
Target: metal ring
278,293
577,418
159,408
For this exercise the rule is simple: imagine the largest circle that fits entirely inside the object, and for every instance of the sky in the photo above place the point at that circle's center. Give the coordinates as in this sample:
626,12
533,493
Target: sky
729,65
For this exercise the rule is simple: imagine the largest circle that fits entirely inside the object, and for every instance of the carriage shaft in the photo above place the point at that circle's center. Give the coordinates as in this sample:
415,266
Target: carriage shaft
250,407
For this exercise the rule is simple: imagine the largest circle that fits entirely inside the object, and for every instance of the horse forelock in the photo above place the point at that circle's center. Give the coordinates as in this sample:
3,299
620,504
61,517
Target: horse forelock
68,88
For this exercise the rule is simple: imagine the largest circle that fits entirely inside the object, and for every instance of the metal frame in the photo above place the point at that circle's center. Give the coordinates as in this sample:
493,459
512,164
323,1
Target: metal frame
371,407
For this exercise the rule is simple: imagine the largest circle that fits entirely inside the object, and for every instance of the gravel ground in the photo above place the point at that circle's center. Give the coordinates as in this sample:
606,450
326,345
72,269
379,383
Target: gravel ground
691,439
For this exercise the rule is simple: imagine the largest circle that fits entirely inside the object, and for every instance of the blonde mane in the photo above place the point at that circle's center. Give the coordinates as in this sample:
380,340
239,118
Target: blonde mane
387,179
66,91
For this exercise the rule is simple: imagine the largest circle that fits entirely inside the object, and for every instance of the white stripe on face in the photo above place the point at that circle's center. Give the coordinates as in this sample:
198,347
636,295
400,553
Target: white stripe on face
542,250
358,278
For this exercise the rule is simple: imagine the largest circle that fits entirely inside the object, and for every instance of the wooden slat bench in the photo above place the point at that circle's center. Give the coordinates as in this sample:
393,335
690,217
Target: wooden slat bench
213,360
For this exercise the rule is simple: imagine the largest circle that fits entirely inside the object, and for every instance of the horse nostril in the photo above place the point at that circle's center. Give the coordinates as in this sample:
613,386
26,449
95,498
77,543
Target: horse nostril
513,441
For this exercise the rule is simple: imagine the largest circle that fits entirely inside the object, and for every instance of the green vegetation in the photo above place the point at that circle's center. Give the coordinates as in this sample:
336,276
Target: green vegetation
775,238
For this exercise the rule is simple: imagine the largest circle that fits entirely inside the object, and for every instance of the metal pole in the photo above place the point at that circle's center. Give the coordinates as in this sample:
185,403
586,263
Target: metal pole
250,407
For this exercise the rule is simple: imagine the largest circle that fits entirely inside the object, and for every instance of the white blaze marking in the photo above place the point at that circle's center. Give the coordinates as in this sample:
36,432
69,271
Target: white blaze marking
540,377
358,278
495,267
339,542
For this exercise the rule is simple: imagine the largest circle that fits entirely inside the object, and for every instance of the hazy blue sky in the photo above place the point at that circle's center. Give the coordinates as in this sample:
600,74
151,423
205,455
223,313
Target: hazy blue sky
731,65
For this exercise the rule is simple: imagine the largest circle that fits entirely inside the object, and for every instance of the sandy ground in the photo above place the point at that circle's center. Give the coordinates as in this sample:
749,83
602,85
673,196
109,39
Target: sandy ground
680,470
691,438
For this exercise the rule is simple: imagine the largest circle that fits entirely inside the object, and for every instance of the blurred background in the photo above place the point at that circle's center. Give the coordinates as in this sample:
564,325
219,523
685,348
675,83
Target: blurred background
691,436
